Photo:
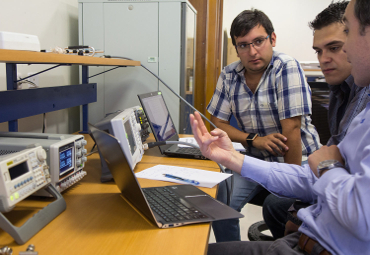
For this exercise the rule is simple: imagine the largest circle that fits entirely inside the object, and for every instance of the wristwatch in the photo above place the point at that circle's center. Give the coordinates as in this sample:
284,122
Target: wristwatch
250,138
327,165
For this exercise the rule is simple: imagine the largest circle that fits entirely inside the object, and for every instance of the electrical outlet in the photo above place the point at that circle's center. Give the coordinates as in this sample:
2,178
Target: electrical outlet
34,80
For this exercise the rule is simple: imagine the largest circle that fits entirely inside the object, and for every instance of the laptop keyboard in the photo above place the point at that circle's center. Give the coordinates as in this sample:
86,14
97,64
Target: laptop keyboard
188,150
168,205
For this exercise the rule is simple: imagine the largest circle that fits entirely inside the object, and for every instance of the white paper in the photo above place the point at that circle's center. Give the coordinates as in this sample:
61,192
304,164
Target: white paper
205,178
237,146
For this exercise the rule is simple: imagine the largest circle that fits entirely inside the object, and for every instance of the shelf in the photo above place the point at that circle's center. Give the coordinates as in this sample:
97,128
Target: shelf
30,57
24,103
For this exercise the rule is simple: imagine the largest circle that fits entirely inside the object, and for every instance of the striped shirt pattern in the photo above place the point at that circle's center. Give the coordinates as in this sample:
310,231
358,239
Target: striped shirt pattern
281,93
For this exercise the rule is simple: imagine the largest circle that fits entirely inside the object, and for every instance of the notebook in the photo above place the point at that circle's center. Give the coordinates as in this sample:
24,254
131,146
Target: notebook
167,207
163,128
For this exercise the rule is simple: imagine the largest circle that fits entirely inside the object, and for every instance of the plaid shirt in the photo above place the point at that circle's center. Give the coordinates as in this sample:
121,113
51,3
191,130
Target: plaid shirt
282,93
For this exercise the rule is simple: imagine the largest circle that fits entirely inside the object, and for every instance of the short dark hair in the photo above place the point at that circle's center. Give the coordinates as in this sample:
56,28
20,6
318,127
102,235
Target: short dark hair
331,14
248,19
362,13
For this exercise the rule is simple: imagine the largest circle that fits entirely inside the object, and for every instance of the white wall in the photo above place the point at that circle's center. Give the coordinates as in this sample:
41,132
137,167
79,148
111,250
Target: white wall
55,22
290,20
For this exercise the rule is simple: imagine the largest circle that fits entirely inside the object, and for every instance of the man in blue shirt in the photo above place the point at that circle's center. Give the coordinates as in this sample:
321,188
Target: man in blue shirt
336,179
268,94
346,99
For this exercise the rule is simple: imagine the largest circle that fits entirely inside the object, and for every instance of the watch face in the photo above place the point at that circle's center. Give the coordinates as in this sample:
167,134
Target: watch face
327,163
251,136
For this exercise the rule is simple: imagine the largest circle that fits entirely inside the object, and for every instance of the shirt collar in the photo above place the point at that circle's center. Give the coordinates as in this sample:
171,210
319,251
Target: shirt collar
345,86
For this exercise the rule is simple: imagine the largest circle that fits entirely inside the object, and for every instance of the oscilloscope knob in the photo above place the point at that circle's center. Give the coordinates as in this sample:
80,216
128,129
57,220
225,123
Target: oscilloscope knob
41,155
78,144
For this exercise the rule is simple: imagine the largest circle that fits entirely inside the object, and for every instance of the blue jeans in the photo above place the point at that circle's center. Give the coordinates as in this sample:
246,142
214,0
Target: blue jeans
243,192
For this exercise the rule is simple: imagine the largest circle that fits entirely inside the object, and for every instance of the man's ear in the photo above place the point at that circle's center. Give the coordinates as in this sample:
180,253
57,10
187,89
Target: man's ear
273,39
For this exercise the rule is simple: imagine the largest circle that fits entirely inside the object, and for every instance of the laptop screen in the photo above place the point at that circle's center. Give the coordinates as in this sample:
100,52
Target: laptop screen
158,116
122,173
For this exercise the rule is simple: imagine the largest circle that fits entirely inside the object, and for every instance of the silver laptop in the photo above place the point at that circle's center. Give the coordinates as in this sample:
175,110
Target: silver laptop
166,207
163,128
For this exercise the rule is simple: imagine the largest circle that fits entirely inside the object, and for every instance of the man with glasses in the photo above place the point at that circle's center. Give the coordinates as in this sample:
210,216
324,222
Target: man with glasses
267,93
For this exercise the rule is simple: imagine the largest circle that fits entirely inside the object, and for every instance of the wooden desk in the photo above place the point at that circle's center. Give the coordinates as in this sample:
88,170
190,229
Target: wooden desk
98,221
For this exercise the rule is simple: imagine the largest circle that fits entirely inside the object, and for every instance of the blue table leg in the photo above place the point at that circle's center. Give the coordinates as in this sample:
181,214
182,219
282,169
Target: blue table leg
11,83
85,108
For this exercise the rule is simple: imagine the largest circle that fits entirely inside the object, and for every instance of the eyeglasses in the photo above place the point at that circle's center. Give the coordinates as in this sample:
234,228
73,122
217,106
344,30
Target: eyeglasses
256,43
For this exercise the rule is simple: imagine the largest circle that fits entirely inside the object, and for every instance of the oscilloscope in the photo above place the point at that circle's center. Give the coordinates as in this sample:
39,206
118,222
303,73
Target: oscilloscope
22,174
65,155
126,126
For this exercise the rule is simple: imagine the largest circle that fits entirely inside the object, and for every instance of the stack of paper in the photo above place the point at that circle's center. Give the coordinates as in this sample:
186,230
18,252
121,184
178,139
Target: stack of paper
205,178
237,146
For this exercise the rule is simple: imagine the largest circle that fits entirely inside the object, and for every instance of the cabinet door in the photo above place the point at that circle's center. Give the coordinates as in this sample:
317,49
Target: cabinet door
91,33
131,30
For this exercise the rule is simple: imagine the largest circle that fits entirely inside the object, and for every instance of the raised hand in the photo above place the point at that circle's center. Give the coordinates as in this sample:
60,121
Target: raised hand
216,145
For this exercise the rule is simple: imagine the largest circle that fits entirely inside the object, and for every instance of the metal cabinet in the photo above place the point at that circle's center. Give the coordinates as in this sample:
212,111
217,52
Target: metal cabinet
160,34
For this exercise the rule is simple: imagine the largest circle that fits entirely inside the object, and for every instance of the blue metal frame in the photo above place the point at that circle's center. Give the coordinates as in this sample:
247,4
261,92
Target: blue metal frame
29,102
25,103
11,83
85,108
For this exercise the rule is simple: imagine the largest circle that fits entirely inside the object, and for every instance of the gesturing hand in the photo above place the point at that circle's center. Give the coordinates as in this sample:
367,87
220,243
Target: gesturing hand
273,143
216,145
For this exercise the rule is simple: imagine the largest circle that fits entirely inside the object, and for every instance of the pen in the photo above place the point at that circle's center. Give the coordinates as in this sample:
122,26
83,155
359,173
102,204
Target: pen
181,179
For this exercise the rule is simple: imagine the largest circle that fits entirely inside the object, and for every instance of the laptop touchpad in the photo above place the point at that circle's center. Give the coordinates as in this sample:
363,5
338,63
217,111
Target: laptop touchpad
214,208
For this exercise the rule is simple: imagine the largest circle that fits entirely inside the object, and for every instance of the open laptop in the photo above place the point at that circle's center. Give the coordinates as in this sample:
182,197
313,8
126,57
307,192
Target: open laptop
185,204
163,128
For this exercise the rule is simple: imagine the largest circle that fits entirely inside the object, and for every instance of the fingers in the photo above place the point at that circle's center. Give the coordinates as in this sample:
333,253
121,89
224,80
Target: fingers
272,143
200,131
274,150
280,136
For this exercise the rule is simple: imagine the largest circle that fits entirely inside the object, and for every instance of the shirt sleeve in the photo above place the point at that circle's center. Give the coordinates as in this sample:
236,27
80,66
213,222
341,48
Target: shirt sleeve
347,196
293,92
285,180
219,106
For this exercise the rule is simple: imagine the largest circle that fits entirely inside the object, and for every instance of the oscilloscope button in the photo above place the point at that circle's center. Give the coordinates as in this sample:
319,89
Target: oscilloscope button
78,144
